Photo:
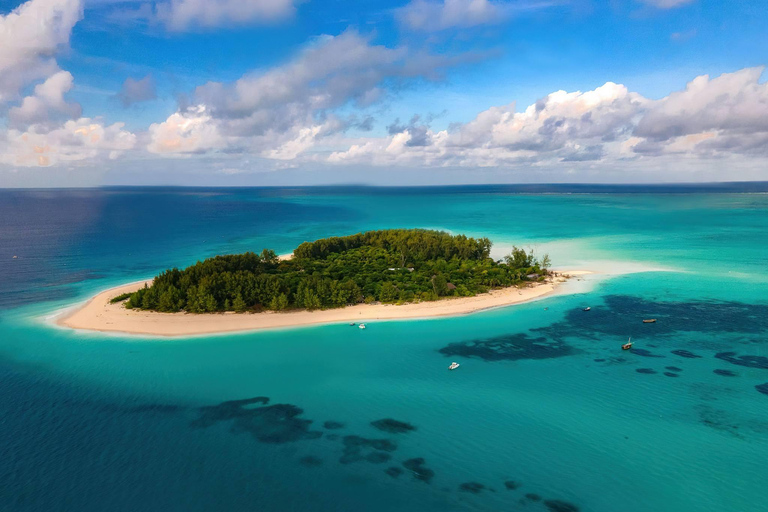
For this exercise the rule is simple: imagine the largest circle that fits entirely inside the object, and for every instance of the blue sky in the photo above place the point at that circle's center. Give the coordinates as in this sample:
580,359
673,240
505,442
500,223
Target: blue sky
250,92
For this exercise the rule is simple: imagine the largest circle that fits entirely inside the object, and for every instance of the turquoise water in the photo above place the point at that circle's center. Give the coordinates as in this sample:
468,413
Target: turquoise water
544,396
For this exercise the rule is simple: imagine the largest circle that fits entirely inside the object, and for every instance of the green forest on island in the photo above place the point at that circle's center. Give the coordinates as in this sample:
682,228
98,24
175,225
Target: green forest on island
390,266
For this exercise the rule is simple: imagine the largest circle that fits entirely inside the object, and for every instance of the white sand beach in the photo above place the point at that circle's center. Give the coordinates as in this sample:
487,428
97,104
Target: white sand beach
97,314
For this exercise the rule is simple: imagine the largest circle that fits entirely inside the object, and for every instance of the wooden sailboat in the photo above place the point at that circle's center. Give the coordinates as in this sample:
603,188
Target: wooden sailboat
627,345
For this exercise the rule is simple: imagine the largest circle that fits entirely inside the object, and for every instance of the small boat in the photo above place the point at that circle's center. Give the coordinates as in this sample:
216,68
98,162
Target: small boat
351,324
649,321
627,345
454,365
586,308
361,326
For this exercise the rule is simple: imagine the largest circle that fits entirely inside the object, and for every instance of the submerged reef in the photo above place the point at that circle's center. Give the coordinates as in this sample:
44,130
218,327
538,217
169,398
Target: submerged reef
358,449
393,426
560,506
748,361
472,487
420,471
644,353
686,353
509,347
394,471
620,312
277,424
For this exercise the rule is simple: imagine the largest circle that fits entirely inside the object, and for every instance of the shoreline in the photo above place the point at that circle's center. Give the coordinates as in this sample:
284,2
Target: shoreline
97,314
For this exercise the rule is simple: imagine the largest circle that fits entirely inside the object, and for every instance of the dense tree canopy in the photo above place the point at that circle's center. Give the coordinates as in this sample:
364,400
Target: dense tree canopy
394,266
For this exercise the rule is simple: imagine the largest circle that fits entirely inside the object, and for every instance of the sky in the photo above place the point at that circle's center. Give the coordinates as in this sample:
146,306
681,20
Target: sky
409,92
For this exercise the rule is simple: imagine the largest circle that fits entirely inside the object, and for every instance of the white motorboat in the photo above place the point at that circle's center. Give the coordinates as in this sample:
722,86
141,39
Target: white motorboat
454,365
361,326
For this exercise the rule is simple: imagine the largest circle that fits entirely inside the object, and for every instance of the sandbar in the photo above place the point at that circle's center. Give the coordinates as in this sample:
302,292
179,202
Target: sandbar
97,314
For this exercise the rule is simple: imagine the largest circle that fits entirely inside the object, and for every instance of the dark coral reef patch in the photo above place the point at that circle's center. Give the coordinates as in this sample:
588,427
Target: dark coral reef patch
358,449
560,506
472,487
686,354
278,423
393,426
649,371
510,347
394,471
644,353
748,361
420,471
621,312
724,373
762,388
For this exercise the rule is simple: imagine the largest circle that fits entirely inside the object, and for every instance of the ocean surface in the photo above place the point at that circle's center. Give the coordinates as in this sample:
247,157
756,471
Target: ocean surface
546,412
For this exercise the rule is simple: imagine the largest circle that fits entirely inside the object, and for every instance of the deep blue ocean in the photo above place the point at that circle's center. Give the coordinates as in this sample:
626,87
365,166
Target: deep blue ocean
546,413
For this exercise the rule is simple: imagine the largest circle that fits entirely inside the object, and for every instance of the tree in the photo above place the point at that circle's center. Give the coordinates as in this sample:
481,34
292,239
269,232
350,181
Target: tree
439,284
279,303
389,292
239,304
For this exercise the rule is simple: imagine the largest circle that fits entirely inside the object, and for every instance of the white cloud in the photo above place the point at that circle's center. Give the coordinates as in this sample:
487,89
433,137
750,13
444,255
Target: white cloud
83,139
436,15
48,98
180,15
40,134
30,37
190,131
284,111
724,117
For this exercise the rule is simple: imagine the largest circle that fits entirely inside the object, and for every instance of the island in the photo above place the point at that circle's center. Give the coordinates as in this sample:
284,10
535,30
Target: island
385,274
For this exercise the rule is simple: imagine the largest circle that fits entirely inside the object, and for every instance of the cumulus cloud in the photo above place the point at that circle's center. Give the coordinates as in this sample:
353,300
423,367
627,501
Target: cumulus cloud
435,15
83,139
735,102
180,15
135,91
285,110
711,118
30,37
189,131
47,99
44,128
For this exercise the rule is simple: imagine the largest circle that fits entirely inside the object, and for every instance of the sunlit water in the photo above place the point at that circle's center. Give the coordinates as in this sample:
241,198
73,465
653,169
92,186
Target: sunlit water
544,397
